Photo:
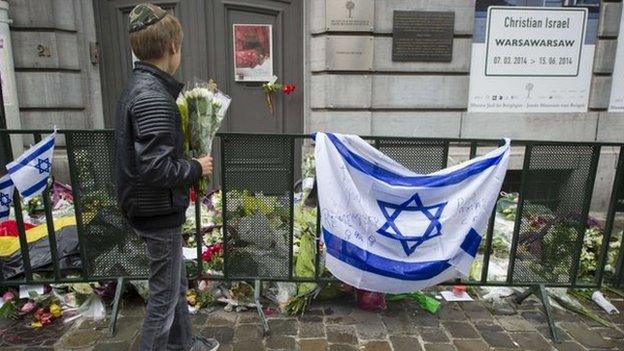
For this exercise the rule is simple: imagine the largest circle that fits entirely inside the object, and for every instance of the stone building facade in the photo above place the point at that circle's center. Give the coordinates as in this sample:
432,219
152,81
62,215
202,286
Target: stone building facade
57,82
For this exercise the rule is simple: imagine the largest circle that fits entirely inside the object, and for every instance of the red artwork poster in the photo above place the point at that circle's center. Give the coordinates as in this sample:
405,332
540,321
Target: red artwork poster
253,52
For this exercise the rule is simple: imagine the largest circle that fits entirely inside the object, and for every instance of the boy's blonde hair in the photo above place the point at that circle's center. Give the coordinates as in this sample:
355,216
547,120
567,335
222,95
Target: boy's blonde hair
153,41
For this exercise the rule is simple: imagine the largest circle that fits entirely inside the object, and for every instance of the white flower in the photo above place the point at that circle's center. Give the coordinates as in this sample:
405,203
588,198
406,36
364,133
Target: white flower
197,93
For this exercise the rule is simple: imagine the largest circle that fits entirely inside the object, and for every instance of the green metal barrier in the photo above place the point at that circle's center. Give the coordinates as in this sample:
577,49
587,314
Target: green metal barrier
557,176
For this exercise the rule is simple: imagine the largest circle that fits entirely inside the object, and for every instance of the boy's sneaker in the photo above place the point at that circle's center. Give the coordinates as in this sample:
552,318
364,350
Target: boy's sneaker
203,344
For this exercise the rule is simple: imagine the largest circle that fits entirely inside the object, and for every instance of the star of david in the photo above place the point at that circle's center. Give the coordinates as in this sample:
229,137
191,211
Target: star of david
43,165
5,200
411,241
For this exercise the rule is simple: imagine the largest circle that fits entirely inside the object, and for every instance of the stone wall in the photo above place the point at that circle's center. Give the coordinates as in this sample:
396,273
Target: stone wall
57,83
430,99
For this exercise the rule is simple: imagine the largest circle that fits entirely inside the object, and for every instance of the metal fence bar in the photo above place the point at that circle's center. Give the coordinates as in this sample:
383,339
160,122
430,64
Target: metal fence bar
73,174
445,156
224,211
25,250
519,209
317,255
618,183
199,238
584,215
515,142
489,237
473,150
50,225
291,233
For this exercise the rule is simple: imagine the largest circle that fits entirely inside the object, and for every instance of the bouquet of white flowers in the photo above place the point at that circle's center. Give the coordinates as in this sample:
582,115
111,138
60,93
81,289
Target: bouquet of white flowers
202,110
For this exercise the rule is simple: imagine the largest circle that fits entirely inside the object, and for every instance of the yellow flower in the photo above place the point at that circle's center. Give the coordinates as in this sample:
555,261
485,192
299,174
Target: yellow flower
191,297
55,310
36,325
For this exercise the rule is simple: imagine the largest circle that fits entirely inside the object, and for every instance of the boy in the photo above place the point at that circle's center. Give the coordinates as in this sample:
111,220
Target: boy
153,177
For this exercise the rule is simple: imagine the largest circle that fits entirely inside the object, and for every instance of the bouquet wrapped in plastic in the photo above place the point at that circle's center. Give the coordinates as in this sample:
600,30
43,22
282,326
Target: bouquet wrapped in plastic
202,110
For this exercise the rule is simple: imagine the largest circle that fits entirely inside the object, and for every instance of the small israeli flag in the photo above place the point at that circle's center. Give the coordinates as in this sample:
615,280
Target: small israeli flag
6,197
388,229
30,172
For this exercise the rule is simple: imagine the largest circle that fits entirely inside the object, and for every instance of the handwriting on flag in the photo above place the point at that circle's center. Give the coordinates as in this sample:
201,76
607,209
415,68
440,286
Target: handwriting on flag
388,229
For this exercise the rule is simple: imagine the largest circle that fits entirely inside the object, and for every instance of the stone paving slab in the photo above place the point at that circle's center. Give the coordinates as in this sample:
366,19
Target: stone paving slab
340,326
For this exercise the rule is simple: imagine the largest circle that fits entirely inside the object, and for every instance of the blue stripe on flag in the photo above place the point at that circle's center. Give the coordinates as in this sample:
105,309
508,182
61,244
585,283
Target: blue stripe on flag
35,153
6,184
471,243
5,214
370,262
36,187
391,178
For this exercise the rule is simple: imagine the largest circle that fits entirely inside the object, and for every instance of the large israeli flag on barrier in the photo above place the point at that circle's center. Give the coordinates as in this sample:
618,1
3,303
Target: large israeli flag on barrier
30,172
6,197
388,229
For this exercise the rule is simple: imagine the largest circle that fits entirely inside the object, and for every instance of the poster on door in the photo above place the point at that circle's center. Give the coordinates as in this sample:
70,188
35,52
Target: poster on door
253,52
7,94
533,56
616,102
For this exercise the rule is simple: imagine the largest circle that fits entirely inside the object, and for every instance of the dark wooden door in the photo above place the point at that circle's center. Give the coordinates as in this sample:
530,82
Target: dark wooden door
208,52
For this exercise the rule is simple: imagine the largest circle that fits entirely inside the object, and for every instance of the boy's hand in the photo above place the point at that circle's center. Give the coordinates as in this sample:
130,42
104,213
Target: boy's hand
206,165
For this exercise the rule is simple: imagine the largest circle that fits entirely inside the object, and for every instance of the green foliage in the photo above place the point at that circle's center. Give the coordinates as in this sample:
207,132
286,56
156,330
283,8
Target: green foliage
308,166
592,244
8,310
305,220
548,240
248,204
93,201
499,247
35,205
507,205
304,268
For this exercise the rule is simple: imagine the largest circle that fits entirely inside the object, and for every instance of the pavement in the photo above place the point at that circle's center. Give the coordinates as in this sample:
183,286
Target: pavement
341,326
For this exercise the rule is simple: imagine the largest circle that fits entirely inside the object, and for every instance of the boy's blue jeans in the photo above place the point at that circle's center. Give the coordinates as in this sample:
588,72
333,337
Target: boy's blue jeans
167,325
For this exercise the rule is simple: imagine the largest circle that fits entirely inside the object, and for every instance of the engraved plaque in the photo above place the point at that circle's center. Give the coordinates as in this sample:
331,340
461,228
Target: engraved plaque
422,36
349,53
349,15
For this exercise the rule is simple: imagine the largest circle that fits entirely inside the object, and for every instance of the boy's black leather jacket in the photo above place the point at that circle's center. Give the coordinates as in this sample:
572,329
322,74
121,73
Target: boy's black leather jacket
153,177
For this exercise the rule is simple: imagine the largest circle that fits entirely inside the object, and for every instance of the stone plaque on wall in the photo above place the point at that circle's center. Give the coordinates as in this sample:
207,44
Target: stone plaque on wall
349,15
349,53
423,36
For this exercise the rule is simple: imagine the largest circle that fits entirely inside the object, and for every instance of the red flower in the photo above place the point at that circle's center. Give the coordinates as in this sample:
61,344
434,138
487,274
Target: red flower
206,256
288,89
211,251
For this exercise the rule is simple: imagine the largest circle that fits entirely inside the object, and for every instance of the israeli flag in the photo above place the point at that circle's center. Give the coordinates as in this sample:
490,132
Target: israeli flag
388,229
30,172
6,197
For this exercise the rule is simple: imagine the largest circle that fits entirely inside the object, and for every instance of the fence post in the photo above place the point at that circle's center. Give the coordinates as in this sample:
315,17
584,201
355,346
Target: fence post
585,214
618,183
519,210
